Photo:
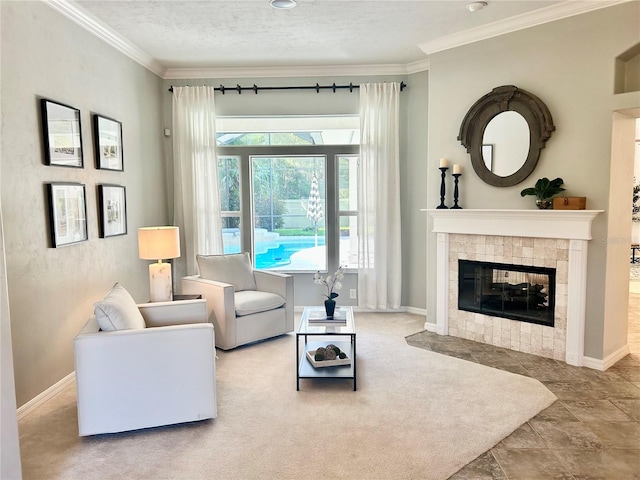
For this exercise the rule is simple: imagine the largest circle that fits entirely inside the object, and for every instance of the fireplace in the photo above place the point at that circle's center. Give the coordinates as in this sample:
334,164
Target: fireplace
556,239
518,292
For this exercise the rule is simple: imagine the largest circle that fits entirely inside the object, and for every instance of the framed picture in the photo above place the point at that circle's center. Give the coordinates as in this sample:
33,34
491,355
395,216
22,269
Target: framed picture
107,134
62,134
112,204
67,213
487,155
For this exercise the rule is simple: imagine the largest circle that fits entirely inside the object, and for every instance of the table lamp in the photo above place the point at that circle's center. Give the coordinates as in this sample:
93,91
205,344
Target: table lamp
159,243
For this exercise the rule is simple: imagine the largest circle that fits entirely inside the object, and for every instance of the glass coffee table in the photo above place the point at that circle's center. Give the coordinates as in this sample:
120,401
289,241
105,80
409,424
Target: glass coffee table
342,335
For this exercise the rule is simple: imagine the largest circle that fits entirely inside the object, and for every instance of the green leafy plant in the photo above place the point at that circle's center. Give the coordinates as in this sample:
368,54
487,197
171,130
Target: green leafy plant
544,188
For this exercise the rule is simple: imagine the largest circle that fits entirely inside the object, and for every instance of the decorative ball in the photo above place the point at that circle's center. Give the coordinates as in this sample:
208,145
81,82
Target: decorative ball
330,354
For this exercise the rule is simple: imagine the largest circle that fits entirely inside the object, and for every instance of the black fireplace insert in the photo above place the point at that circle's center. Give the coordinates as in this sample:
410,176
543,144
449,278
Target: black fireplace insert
517,292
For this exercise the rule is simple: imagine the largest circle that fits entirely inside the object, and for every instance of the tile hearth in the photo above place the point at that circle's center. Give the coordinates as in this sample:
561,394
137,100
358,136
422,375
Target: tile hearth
591,431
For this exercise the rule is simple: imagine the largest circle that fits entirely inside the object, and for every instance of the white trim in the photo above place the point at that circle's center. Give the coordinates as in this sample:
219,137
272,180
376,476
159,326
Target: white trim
431,327
79,15
279,72
609,360
513,24
417,311
576,302
566,224
442,287
82,17
45,396
419,66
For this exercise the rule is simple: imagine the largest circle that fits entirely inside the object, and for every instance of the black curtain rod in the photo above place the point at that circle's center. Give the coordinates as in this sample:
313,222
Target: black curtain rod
315,87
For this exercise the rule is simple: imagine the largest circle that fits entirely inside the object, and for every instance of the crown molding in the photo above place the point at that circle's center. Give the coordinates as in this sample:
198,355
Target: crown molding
519,22
297,71
80,16
77,14
419,66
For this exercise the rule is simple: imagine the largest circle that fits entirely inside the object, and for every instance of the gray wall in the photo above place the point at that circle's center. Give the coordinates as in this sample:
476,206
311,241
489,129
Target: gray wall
51,291
569,64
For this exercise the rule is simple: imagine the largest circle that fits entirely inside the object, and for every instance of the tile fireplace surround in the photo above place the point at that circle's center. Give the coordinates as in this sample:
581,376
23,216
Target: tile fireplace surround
547,238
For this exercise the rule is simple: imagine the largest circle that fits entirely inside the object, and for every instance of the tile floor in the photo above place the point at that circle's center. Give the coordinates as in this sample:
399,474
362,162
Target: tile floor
591,432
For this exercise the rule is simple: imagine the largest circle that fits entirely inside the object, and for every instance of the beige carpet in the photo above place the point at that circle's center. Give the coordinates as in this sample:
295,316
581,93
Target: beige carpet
416,415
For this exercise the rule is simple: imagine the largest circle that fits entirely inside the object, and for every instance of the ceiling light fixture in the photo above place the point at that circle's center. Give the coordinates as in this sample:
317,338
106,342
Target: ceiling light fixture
283,4
475,6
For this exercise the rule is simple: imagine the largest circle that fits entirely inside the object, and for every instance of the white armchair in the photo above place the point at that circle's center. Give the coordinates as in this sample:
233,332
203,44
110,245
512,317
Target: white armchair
137,376
244,305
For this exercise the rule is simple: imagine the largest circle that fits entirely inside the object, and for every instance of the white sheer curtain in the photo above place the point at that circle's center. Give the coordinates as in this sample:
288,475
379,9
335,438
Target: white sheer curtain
195,169
379,248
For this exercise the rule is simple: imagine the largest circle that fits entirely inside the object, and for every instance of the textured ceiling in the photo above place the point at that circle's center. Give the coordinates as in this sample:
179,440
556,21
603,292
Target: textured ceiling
249,33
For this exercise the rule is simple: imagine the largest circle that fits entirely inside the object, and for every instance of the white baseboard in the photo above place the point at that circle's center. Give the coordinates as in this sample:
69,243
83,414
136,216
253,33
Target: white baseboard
48,394
608,361
417,311
434,327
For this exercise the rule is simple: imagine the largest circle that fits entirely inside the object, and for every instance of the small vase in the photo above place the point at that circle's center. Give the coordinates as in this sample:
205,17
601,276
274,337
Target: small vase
544,204
329,307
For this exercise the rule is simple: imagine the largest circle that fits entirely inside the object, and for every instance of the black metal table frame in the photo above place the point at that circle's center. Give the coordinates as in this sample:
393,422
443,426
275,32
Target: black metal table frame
326,372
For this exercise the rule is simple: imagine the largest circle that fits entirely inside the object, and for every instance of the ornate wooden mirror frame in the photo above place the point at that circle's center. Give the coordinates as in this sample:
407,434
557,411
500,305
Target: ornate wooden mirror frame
502,99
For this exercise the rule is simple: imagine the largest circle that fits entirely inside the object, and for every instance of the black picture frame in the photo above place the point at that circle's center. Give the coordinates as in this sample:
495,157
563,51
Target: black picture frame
107,135
62,134
112,210
67,213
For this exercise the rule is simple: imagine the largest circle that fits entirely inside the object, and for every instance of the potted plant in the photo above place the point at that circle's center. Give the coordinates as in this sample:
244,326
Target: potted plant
544,190
332,283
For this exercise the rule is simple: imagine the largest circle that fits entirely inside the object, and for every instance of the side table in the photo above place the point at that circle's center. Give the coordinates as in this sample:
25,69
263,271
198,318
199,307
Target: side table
179,311
178,297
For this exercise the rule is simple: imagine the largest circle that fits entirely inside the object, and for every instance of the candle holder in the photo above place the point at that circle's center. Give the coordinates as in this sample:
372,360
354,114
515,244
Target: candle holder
455,191
442,205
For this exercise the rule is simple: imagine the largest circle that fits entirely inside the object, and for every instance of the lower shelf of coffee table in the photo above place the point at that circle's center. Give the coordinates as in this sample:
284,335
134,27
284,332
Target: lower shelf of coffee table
307,370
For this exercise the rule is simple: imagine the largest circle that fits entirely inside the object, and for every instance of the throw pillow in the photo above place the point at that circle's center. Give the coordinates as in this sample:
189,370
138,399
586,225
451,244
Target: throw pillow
235,269
118,311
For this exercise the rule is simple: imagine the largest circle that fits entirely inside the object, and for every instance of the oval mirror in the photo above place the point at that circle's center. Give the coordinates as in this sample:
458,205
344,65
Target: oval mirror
504,132
505,143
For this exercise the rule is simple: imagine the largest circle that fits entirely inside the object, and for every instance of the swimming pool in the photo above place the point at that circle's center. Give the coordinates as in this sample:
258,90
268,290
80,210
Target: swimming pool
280,256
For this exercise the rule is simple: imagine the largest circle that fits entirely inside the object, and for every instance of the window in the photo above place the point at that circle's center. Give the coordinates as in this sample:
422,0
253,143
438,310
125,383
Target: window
300,185
229,187
348,210
288,203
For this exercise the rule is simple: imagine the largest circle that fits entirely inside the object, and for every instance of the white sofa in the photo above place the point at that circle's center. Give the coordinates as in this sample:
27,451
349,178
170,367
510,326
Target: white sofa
244,305
139,376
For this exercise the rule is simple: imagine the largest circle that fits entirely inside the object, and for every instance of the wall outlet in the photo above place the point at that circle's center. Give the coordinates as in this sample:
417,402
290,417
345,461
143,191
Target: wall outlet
352,293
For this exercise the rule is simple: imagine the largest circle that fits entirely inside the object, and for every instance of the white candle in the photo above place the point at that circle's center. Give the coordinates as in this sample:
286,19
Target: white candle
444,163
457,169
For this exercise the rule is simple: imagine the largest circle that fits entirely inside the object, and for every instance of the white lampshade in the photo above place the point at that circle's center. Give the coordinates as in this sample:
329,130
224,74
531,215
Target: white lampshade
158,243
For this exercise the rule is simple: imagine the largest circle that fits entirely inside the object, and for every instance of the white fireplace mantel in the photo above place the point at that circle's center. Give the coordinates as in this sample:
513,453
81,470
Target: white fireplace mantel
567,224
572,225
